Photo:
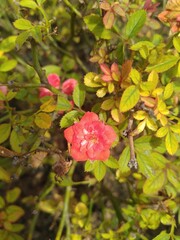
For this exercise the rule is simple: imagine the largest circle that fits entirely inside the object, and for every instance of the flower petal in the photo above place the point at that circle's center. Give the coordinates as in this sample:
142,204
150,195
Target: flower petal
89,117
68,134
77,155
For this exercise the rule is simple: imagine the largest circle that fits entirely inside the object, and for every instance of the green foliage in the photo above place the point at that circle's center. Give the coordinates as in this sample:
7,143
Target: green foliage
127,66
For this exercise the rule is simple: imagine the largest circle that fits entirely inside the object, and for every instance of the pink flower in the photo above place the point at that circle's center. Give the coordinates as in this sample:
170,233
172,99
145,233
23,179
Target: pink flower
54,80
110,74
4,89
44,92
90,138
68,86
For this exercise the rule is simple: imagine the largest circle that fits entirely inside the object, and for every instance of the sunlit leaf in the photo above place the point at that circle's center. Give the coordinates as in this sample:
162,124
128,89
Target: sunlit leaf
165,63
135,23
13,194
171,143
69,118
79,95
95,25
154,183
8,65
129,98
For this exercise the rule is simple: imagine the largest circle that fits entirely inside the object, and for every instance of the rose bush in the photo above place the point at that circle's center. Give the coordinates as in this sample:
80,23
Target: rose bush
90,138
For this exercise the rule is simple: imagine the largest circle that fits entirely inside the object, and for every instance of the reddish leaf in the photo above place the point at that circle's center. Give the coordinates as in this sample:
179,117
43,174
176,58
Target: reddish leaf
108,19
105,6
118,10
126,69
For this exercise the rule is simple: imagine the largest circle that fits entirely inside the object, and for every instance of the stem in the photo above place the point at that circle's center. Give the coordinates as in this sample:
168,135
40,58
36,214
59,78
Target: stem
72,8
36,63
65,217
64,214
46,191
27,85
132,163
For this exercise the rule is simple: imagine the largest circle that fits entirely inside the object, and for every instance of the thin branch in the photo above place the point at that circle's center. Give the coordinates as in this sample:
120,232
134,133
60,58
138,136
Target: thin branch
36,64
132,162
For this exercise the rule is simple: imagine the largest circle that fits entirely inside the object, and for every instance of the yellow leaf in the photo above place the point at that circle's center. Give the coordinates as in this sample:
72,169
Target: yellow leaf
140,115
107,104
161,132
171,143
43,120
153,78
110,87
48,106
151,124
135,76
168,91
101,92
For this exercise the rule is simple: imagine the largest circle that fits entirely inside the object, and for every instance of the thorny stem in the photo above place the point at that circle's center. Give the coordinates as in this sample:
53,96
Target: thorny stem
132,163
36,63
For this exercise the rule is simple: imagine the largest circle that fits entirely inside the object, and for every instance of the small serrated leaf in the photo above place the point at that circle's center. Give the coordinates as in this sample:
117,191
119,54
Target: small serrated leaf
129,98
135,23
79,95
99,170
171,143
63,104
69,118
43,120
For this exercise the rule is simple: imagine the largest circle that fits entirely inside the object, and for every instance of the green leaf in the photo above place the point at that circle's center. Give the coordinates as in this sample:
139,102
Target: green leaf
69,118
124,160
135,23
145,164
21,38
108,104
12,195
8,44
137,46
2,203
171,143
154,183
176,43
89,166
112,163
162,236
4,175
22,24
129,98
29,4
40,2
165,63
63,104
5,130
8,65
16,141
14,213
99,170
37,34
43,120
173,178
14,227
95,25
79,95
10,95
